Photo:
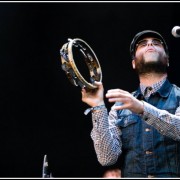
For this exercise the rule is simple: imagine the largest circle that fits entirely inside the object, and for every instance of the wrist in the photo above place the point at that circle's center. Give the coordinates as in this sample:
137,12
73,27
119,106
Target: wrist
97,104
94,108
142,107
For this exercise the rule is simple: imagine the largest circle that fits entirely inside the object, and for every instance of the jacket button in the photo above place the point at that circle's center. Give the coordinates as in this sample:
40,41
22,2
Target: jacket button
147,129
148,152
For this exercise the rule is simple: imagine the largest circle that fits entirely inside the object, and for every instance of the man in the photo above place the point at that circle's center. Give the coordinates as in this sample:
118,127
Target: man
143,127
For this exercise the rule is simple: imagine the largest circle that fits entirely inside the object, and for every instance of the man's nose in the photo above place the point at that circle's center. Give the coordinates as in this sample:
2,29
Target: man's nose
150,43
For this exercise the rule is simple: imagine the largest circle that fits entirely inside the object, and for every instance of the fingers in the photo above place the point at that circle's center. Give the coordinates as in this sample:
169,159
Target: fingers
117,91
117,94
98,84
119,107
85,91
113,94
124,106
123,100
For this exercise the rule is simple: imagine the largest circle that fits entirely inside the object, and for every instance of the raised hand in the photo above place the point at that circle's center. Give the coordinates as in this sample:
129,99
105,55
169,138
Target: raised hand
93,97
128,100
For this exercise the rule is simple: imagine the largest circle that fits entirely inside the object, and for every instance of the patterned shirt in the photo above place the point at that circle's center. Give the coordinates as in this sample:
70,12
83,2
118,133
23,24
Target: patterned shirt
148,90
104,128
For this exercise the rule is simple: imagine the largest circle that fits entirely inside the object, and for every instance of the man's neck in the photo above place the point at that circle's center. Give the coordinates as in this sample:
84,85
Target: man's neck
150,78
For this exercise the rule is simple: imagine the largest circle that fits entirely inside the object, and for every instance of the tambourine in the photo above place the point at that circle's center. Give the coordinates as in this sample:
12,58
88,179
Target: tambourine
74,53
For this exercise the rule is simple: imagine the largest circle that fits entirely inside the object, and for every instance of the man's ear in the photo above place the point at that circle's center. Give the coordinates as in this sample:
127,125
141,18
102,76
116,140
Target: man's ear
133,64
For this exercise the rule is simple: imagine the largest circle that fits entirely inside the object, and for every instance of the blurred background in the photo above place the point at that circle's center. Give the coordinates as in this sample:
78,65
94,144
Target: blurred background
41,112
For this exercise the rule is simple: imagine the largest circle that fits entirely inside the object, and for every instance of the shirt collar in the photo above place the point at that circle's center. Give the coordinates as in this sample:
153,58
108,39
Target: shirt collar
155,87
163,91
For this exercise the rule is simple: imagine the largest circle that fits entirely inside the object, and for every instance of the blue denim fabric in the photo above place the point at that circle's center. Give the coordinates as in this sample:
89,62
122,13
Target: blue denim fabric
145,152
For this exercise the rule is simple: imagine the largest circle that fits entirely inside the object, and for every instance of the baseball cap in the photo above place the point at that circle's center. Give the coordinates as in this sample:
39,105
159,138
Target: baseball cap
142,35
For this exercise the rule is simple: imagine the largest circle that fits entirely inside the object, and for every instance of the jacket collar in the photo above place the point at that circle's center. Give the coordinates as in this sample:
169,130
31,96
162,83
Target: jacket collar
163,91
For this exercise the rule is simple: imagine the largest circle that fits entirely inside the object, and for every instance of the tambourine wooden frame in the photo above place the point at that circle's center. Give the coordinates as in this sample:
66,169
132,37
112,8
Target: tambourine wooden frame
70,68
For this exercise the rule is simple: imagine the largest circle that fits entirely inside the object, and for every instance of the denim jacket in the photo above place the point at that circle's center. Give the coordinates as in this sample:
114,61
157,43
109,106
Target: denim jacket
146,152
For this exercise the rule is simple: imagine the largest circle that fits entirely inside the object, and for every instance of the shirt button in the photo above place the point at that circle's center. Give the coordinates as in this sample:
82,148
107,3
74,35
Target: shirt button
147,129
148,152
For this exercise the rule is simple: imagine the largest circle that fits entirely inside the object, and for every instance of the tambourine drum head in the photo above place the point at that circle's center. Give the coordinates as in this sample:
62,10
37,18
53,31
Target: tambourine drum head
80,63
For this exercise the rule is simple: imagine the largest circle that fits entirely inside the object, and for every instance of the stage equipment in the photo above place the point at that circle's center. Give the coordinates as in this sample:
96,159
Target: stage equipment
45,168
176,31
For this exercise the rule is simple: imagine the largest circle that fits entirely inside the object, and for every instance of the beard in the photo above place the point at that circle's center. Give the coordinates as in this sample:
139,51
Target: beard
158,66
